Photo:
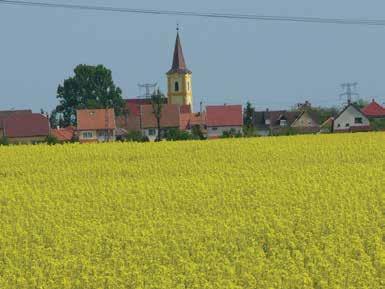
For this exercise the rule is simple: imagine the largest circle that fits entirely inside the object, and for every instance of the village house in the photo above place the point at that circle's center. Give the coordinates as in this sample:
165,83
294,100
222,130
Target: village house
96,125
306,122
170,119
223,118
63,135
374,110
24,127
351,119
274,122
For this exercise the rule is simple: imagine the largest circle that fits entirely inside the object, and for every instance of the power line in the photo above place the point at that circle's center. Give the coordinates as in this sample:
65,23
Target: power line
345,21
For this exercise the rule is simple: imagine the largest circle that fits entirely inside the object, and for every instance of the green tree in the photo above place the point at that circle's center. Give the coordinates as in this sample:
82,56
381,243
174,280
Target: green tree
90,87
157,101
248,128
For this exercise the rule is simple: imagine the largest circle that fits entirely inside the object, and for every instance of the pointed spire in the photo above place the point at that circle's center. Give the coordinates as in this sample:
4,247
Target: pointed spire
178,62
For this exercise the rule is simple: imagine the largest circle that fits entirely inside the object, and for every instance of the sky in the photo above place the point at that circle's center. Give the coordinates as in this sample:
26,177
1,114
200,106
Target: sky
270,64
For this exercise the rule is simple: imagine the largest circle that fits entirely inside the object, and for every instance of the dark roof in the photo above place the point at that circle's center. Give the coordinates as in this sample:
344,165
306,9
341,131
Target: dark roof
94,119
224,115
373,109
178,62
26,125
5,113
275,116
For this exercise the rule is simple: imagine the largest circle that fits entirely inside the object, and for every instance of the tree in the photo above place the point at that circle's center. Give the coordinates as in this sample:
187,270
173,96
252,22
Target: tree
157,101
91,87
248,120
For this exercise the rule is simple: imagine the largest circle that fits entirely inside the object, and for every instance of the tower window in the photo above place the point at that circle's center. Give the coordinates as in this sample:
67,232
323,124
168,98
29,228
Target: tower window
188,86
176,87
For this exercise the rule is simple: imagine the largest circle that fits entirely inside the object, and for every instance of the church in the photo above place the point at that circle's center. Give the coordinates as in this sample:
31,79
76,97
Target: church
177,110
179,85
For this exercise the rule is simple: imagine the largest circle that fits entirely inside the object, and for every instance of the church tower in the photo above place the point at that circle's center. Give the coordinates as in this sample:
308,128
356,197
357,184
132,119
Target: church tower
179,78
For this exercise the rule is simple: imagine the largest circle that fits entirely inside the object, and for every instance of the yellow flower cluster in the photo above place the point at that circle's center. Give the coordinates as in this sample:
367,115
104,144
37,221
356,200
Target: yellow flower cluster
285,212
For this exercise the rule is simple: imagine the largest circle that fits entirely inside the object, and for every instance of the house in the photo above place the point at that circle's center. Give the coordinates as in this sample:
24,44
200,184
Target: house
351,119
96,125
66,134
275,122
374,110
25,127
306,122
223,118
327,126
170,118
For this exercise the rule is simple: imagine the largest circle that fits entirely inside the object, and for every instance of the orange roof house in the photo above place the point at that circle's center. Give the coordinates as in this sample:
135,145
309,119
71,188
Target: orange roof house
374,110
222,118
170,118
63,134
96,125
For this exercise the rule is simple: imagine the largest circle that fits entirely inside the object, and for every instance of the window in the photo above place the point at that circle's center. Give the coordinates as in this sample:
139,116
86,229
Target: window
339,125
151,131
267,121
176,86
283,122
87,134
214,128
358,120
188,85
347,125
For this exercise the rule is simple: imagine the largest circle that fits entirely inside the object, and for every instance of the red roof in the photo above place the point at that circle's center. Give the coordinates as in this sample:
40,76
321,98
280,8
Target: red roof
170,116
95,119
63,134
188,120
6,113
224,115
26,125
132,106
374,110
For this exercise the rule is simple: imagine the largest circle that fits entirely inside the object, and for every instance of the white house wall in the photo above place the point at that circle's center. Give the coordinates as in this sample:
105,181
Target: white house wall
218,131
347,117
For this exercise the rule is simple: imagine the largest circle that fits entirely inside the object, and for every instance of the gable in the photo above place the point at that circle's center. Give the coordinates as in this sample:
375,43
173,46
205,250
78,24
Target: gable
305,120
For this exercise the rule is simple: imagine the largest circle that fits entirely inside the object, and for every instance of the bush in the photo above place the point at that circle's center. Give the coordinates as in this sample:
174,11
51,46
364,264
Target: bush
4,141
196,132
232,133
136,136
176,134
51,140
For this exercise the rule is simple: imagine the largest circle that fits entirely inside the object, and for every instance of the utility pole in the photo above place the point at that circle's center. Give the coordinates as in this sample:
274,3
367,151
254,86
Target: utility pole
350,91
149,88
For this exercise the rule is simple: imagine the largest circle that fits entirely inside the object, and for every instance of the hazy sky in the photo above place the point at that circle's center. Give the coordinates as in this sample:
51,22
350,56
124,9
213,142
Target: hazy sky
268,63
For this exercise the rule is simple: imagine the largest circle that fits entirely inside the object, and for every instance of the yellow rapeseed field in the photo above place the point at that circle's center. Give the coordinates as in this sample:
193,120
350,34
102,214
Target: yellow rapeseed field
284,212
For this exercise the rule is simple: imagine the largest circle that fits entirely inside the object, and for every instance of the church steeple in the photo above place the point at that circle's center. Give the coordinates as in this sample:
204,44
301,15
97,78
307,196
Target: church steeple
178,62
179,77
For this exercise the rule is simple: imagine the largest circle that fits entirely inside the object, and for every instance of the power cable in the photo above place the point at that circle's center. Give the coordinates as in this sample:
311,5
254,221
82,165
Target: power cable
319,20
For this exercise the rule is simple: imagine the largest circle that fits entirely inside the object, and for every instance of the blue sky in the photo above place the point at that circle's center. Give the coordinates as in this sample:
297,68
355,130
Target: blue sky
270,64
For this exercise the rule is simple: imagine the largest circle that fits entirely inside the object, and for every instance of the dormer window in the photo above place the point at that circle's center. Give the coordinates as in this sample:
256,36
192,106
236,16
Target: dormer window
267,121
176,86
283,122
